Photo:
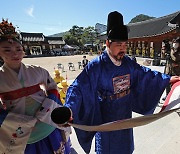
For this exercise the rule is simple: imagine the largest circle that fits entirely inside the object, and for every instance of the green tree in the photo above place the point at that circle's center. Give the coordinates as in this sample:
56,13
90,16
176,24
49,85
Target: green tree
140,18
76,33
90,35
80,36
70,39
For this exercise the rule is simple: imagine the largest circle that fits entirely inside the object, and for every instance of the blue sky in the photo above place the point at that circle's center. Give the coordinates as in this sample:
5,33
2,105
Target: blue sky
55,16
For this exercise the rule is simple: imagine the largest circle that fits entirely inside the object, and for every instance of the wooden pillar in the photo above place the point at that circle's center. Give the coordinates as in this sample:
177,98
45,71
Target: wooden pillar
152,49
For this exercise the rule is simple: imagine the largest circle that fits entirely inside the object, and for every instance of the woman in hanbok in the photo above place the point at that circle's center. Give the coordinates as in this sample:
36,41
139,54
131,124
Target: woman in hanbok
28,94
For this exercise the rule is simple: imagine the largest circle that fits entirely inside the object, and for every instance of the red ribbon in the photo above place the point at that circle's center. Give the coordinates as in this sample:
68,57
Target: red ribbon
169,95
15,94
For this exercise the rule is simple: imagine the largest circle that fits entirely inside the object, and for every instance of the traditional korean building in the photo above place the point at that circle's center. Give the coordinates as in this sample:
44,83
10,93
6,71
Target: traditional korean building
146,37
55,42
38,44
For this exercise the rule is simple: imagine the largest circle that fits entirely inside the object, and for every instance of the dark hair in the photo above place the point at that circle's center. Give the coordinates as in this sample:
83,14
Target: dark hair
2,39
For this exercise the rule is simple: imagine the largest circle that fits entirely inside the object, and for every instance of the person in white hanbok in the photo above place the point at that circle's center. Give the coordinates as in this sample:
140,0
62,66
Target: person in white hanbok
28,94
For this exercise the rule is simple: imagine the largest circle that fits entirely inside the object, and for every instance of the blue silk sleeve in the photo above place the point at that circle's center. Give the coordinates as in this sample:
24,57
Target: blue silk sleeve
3,114
147,88
82,98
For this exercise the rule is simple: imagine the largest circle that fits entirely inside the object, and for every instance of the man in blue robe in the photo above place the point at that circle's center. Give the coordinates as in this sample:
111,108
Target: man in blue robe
110,88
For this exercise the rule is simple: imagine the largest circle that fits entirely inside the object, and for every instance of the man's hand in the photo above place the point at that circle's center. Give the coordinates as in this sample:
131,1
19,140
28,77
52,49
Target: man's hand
66,124
174,79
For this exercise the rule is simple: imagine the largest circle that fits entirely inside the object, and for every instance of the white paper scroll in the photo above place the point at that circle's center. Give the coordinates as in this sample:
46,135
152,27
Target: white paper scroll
171,105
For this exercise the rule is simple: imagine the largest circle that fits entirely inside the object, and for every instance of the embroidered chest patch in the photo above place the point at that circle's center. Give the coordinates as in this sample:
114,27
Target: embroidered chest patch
121,83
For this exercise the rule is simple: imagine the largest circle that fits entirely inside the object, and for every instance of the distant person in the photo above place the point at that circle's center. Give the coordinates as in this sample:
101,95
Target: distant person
173,62
57,76
63,86
175,57
109,89
84,61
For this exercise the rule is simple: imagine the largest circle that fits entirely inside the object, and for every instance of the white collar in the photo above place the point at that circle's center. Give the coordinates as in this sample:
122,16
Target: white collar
115,62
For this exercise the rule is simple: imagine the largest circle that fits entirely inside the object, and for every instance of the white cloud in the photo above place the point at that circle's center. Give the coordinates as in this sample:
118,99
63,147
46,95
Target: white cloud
30,11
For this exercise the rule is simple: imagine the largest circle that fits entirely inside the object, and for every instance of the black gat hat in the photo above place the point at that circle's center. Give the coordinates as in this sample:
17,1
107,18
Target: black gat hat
116,30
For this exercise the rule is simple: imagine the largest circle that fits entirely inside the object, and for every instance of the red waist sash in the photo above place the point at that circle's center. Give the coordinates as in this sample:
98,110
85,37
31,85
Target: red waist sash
15,94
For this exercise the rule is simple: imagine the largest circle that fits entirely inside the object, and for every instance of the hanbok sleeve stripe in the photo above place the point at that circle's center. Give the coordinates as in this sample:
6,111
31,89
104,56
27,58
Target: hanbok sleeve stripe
55,98
55,92
3,114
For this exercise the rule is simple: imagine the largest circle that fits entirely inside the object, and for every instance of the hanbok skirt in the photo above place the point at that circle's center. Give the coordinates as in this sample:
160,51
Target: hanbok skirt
52,144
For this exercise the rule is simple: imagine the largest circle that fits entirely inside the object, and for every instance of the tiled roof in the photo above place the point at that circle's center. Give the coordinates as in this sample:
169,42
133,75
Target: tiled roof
152,27
55,40
176,20
32,37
